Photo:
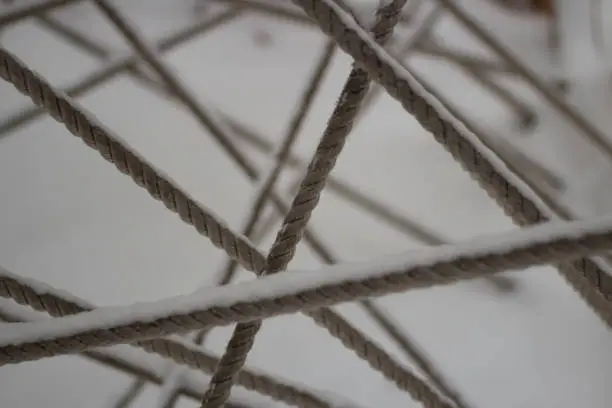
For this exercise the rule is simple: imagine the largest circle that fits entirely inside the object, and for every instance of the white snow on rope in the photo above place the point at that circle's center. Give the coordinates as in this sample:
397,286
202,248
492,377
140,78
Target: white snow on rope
405,74
294,282
42,288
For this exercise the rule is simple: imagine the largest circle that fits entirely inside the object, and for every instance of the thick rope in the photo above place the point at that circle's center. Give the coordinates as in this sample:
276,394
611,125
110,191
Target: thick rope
44,94
256,300
307,198
179,351
98,137
584,275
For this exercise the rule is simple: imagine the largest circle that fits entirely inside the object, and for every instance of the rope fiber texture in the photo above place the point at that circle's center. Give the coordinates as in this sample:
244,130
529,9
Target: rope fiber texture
370,62
181,352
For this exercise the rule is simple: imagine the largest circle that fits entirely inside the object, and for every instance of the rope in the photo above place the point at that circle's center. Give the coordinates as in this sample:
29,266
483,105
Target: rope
584,275
127,363
98,137
179,351
589,283
221,382
43,94
288,293
283,154
306,200
19,13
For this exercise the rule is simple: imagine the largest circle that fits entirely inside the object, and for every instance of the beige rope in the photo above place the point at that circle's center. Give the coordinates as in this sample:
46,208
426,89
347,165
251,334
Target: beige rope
584,275
181,352
307,198
128,364
282,156
148,54
257,300
224,376
144,50
25,80
98,137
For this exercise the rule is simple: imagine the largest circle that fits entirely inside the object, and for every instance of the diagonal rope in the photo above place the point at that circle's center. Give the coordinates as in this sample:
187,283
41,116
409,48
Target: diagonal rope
57,304
125,363
111,148
148,54
43,94
264,190
328,319
119,65
583,274
291,292
16,14
307,198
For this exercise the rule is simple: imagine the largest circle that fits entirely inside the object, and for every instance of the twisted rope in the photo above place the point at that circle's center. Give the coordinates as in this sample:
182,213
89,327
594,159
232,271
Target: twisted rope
590,271
288,293
43,94
101,139
180,351
294,224
234,359
584,275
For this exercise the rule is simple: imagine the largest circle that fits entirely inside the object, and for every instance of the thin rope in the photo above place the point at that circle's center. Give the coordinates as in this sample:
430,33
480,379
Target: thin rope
307,198
584,275
130,366
43,94
256,300
117,66
282,155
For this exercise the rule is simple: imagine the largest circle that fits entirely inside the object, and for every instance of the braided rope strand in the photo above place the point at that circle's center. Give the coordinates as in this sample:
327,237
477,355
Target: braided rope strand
256,300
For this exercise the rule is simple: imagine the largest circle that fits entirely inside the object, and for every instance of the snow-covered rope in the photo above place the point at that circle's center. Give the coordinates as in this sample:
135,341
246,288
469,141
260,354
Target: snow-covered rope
294,291
85,126
306,200
512,195
57,303
18,13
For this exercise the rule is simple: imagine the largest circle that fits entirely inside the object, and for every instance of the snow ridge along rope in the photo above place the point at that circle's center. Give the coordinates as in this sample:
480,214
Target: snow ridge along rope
583,274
